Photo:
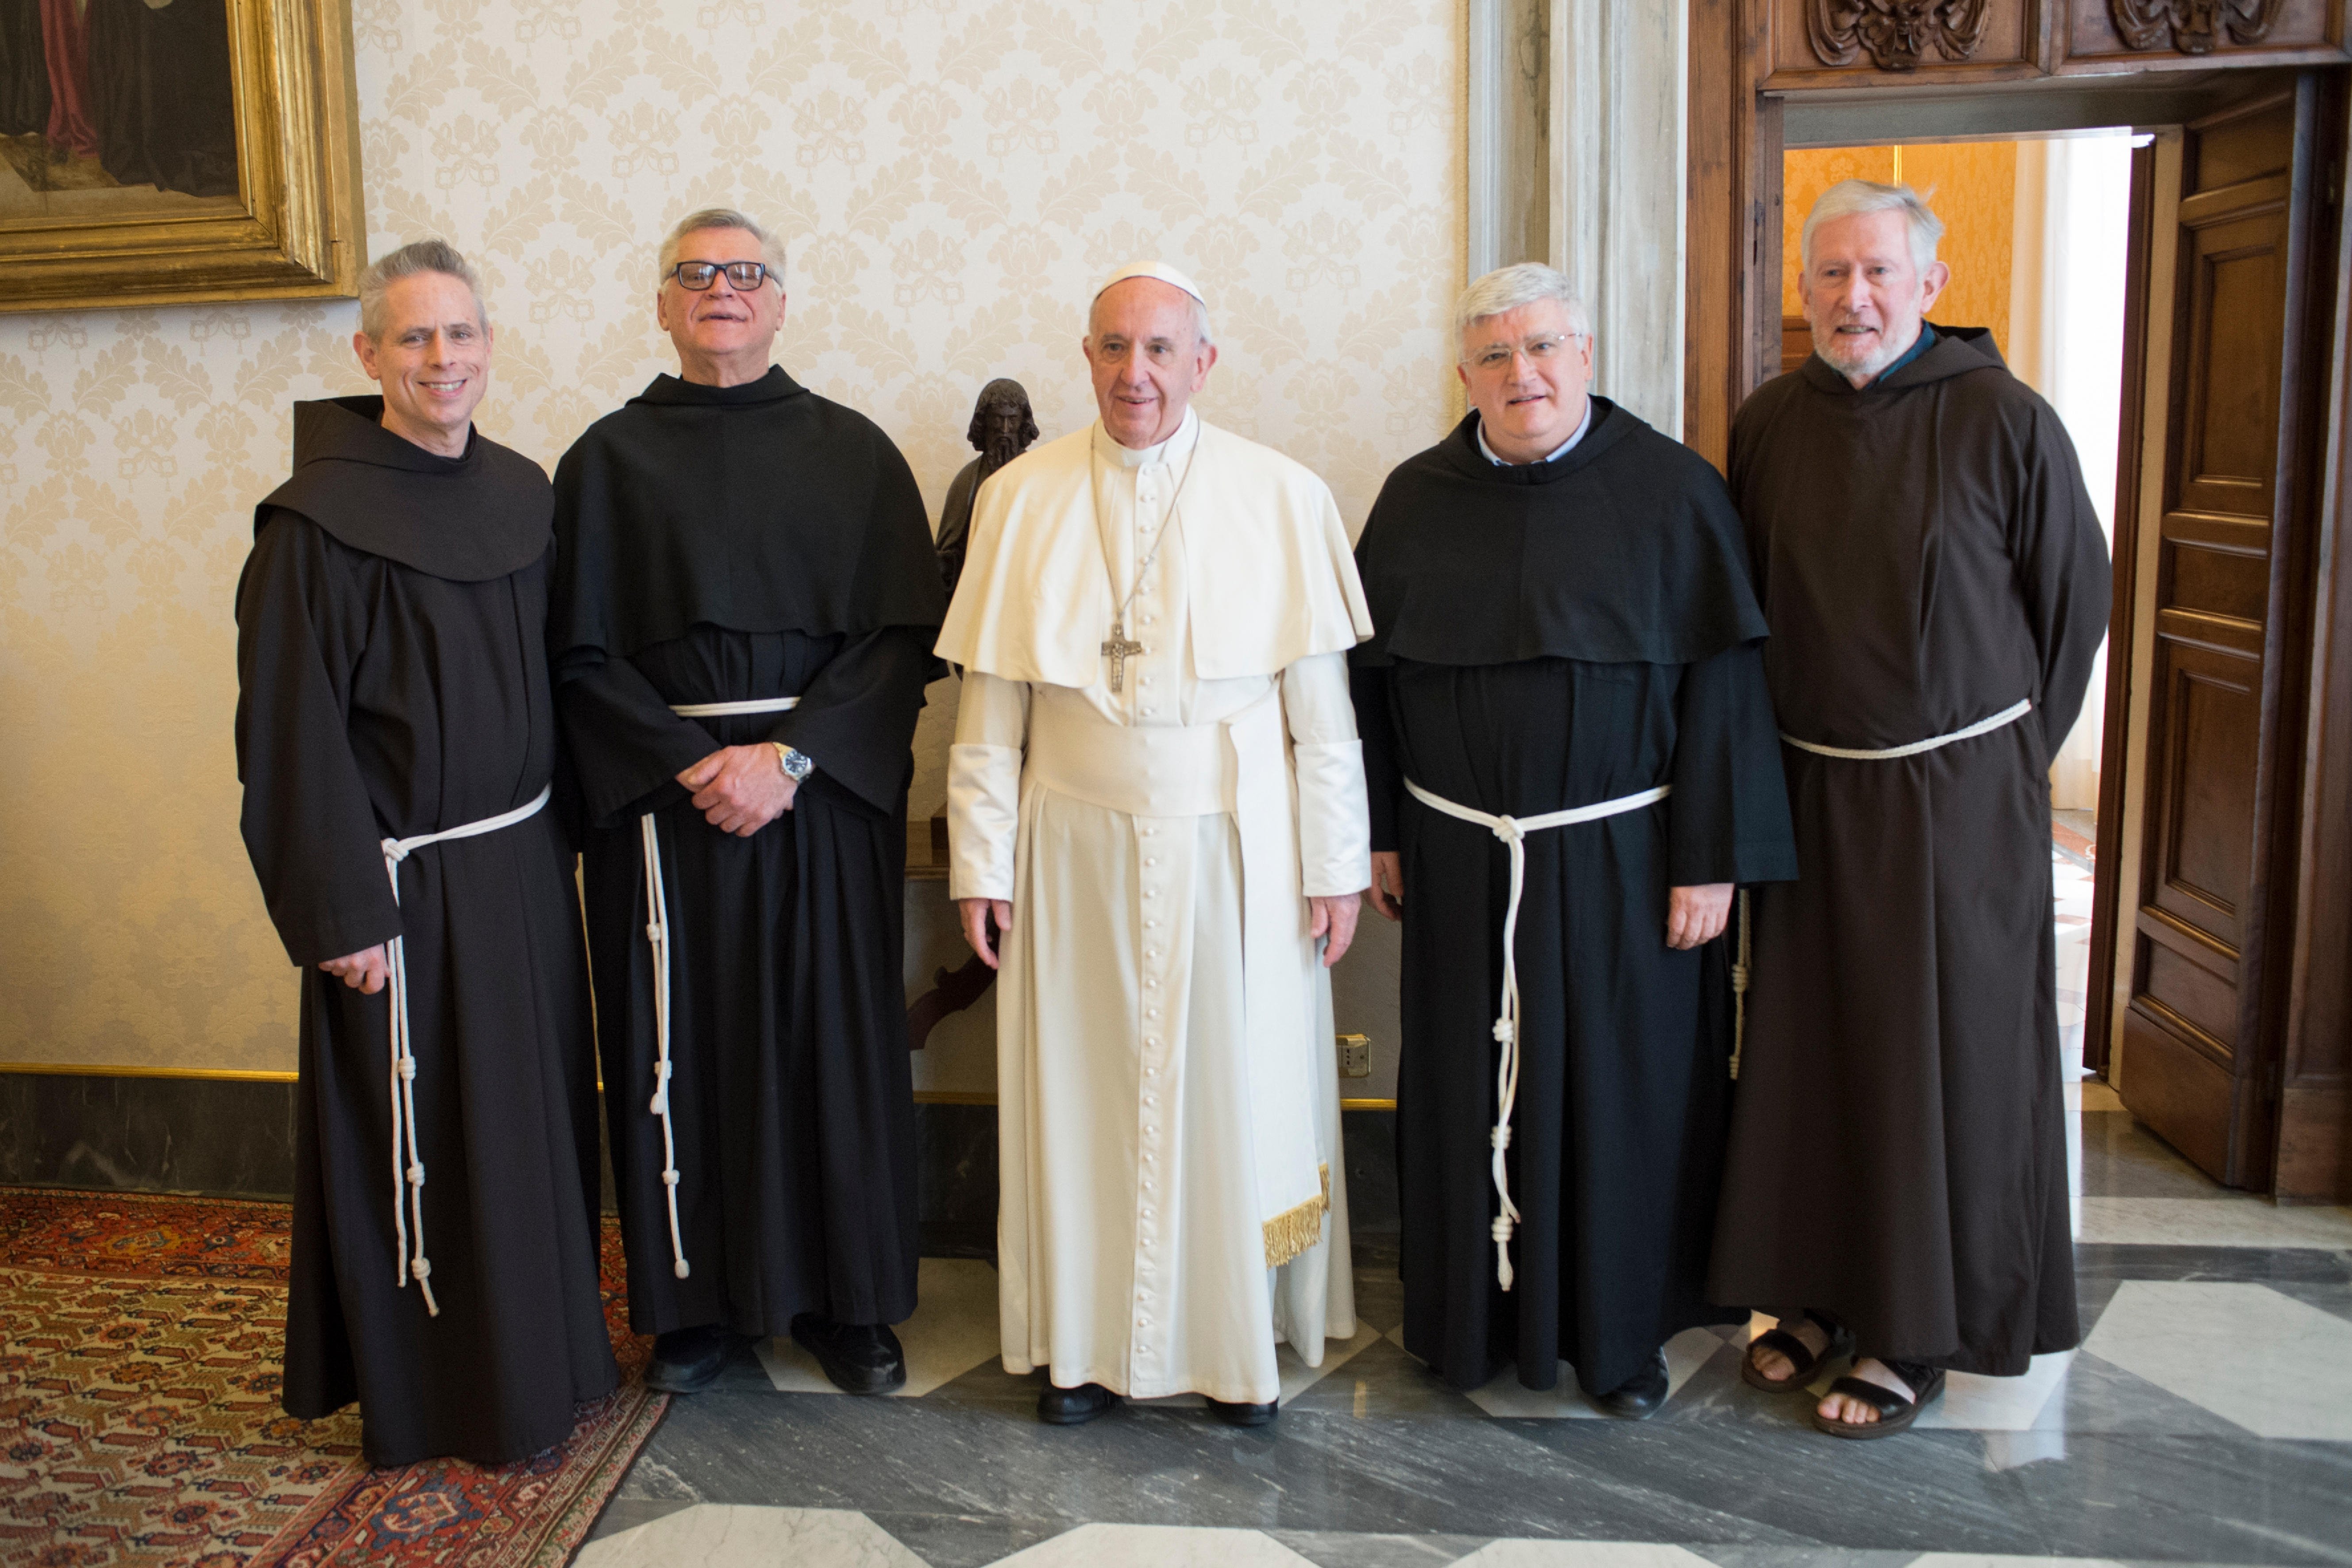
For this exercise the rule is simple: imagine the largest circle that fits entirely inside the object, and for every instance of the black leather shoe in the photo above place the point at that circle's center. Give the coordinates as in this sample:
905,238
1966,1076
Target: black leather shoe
687,1361
1639,1396
860,1358
1245,1415
1073,1406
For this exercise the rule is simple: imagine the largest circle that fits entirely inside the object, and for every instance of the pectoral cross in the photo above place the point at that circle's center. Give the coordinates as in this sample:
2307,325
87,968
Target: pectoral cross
1120,651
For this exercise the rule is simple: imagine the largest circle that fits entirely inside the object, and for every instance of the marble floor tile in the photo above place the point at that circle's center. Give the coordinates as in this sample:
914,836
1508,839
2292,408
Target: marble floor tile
2237,1220
714,1535
1343,1549
1974,1403
1580,1554
954,1330
2271,1364
1297,1377
1686,1354
1158,1546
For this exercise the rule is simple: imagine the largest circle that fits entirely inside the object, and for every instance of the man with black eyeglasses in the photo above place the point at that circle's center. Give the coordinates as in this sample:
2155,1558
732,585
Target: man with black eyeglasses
744,603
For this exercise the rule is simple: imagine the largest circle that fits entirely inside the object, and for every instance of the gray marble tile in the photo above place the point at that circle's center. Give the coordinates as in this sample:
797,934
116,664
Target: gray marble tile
964,1539
2122,1159
627,1513
1382,1382
1338,1549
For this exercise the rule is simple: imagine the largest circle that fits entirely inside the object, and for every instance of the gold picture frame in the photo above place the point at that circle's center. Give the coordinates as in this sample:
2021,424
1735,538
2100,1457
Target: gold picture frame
295,228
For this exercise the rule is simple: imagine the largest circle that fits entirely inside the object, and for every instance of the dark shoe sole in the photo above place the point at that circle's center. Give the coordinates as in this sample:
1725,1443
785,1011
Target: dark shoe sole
1061,1417
1245,1415
664,1378
860,1380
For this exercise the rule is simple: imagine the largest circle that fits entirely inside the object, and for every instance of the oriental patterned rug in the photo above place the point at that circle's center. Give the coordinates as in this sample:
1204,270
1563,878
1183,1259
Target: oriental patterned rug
139,1339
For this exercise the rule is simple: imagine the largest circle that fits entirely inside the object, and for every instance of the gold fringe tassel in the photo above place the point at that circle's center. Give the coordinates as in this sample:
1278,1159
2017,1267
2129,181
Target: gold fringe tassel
1292,1231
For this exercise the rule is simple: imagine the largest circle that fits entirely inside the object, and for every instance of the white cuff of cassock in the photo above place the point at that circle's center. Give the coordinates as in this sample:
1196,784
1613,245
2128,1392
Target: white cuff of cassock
1335,825
983,820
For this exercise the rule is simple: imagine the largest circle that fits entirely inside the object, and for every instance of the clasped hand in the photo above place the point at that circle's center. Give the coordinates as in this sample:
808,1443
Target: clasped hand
740,789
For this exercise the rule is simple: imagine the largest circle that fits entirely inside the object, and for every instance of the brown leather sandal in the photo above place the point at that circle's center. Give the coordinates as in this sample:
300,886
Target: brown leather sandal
1805,1362
1895,1411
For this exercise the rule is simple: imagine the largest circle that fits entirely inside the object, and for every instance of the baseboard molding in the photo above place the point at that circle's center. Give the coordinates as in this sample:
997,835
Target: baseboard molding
232,1135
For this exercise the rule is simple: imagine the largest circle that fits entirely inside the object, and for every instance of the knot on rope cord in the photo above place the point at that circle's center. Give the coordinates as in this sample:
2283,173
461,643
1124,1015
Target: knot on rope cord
1506,1031
655,933
421,1267
1500,1136
408,1069
416,1174
660,1104
1507,829
395,852
679,1269
1502,1227
1739,978
669,1178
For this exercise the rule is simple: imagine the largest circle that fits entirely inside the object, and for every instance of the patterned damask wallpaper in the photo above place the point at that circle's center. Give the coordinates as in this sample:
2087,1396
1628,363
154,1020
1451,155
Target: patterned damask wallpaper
950,175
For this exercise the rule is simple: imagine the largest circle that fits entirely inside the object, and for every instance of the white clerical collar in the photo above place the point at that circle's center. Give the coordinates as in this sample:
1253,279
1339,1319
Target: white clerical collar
1558,452
1107,447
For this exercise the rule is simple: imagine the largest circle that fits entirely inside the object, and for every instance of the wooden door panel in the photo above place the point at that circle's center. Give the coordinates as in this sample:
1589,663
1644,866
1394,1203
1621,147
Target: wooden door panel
2238,273
2207,722
2193,1045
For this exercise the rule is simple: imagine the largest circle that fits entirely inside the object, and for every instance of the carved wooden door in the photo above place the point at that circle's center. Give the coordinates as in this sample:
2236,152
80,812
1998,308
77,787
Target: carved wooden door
2205,932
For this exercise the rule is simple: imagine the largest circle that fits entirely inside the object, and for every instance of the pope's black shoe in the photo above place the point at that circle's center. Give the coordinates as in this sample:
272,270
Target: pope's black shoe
1074,1406
1639,1396
1245,1415
687,1361
860,1358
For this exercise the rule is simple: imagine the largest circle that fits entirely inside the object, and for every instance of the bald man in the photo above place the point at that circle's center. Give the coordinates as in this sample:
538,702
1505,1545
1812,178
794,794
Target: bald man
1156,808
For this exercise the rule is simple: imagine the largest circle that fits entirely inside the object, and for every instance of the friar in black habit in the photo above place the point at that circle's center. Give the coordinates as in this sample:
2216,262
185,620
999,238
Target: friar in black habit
396,738
1563,623
1935,580
745,602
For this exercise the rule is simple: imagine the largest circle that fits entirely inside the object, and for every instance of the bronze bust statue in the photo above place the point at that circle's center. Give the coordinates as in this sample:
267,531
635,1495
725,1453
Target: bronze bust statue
1002,429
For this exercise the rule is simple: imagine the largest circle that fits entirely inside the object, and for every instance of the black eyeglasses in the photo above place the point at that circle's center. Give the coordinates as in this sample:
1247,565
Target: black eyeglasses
741,276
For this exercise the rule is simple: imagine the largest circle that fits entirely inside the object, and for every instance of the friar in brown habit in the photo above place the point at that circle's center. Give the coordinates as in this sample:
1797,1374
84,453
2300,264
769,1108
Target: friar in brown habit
1935,581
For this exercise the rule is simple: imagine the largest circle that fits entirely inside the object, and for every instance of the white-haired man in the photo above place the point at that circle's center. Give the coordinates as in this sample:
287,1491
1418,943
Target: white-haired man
1935,583
1564,626
396,739
1157,797
745,601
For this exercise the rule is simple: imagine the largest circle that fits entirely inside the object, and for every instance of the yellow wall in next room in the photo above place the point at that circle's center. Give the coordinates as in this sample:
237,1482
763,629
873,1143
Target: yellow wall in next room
1972,186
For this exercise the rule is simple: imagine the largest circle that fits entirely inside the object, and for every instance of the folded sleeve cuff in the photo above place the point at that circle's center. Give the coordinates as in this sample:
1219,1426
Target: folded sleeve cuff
983,819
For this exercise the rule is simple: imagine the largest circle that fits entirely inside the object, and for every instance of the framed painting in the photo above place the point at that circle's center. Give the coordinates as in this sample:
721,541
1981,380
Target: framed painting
162,152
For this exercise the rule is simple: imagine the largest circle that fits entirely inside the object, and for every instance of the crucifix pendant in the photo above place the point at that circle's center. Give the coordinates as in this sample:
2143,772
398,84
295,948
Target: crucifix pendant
1120,650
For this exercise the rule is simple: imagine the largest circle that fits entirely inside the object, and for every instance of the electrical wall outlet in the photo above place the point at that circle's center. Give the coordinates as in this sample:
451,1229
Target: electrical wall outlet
1355,1056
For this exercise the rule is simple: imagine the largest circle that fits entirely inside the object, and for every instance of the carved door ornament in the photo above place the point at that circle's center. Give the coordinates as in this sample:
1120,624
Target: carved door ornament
1899,33
2195,25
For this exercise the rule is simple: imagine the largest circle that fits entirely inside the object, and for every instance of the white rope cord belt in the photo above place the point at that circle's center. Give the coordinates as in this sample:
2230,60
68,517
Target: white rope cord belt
1513,831
658,935
1740,970
402,1081
2009,715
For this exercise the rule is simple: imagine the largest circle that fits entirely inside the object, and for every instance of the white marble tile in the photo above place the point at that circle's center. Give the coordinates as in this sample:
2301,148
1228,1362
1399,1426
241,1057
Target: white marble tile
1157,1546
2273,1364
1973,1404
1994,1560
1686,1354
2229,1220
1297,1377
1580,1554
723,1535
953,1329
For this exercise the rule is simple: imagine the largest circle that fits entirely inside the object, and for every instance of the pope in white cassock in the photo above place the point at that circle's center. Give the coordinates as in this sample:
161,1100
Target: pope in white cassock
1156,797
